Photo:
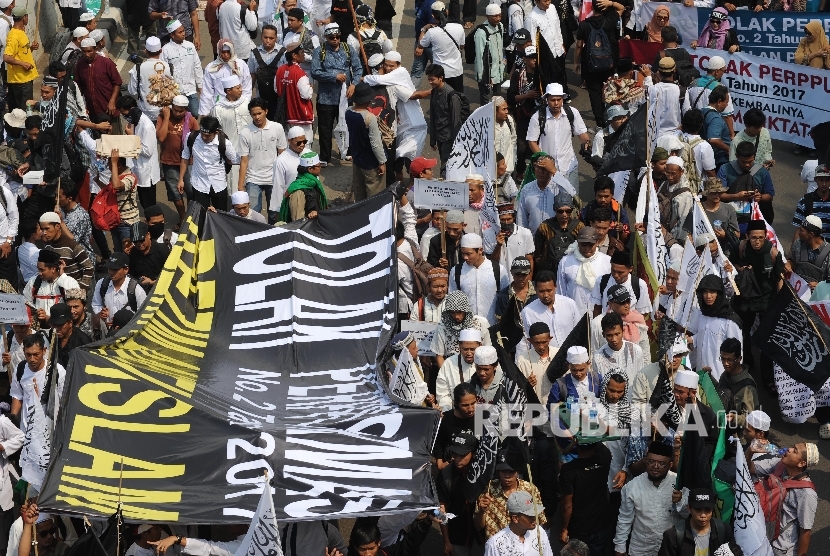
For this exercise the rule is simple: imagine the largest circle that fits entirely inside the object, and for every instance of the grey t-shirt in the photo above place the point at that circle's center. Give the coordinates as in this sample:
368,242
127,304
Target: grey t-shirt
798,512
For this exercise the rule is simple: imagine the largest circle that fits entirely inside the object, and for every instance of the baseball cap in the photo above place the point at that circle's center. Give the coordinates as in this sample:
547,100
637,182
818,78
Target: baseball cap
60,313
19,11
501,459
118,260
521,36
438,6
462,443
520,265
702,498
618,294
138,231
420,164
521,502
822,171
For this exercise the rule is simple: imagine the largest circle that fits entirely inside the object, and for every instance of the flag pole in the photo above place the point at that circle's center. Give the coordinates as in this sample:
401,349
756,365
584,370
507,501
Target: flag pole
118,511
535,510
6,349
720,247
359,38
34,527
444,235
798,300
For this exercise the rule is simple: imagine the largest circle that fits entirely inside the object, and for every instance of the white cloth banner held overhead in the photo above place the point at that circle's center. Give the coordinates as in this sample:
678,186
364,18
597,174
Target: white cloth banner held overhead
263,536
406,382
750,530
474,148
655,242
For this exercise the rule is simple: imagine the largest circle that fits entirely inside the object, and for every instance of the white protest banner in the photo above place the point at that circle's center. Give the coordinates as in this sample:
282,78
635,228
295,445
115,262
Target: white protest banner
655,243
406,382
263,536
441,195
793,97
13,309
474,148
801,286
423,332
750,528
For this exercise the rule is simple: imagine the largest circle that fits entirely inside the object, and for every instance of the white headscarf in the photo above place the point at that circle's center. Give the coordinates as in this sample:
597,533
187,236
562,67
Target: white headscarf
585,276
217,64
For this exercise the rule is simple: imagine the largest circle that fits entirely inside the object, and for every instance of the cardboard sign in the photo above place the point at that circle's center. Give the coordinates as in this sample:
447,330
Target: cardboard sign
423,332
441,195
13,309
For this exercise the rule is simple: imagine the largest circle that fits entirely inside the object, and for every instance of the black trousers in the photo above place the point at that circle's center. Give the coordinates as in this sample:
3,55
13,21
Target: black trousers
594,82
219,200
522,150
470,10
147,196
19,93
546,472
327,116
766,366
71,17
457,82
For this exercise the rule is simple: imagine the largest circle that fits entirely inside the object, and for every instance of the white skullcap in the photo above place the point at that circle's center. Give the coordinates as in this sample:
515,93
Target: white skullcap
43,516
812,454
230,81
375,60
393,56
676,160
50,218
181,100
577,355
470,335
716,63
87,42
474,177
86,16
80,32
173,25
759,420
687,379
295,132
240,198
679,347
5,4
152,44
485,355
454,217
309,159
492,9
471,241
97,35
814,220
703,240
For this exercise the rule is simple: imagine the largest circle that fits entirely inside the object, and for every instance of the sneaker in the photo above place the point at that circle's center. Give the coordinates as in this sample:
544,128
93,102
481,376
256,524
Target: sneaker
824,431
323,164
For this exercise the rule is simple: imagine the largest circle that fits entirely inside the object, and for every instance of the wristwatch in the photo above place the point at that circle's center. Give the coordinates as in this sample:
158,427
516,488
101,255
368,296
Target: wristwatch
178,540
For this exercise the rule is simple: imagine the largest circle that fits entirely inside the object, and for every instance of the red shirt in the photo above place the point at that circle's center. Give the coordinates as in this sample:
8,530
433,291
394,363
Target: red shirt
298,109
97,80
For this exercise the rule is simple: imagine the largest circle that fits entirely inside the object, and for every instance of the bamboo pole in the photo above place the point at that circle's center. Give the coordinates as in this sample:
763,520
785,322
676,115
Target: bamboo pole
6,349
359,38
535,511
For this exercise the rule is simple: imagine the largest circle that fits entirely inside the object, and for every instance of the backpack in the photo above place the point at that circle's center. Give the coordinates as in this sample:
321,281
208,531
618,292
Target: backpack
558,244
371,44
72,61
600,57
10,159
105,212
635,285
496,274
690,164
470,50
420,271
686,73
242,9
132,302
465,105
266,75
727,393
772,490
664,200
543,118
191,138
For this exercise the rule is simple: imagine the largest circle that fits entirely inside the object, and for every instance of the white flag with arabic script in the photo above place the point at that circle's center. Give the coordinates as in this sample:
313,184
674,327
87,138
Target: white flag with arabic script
263,537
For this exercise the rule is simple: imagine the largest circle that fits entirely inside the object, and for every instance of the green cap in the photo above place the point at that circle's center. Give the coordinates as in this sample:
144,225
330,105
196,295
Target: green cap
660,154
19,11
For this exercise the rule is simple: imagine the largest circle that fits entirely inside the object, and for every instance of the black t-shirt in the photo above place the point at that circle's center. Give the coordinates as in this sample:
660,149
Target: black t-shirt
610,23
148,265
77,339
450,425
448,487
587,480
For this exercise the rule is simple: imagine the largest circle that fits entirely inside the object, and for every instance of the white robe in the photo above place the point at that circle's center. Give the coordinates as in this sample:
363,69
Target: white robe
233,117
412,127
709,334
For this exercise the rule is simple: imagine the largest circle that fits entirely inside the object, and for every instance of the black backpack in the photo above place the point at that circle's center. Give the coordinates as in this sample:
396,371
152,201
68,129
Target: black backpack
132,302
77,169
465,105
266,74
543,118
600,57
635,285
191,139
496,274
727,394
371,44
72,61
242,9
470,47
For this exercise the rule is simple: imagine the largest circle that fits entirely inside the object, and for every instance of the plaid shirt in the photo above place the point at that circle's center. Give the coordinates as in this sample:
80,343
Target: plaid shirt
496,517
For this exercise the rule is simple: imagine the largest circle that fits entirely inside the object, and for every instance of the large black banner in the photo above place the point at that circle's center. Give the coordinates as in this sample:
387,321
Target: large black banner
256,351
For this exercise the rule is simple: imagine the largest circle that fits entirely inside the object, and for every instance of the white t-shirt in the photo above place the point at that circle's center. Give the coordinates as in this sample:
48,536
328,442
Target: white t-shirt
704,154
446,51
557,140
261,147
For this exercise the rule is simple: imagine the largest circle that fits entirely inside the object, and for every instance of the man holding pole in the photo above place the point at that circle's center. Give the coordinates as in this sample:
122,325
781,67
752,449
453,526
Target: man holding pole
521,536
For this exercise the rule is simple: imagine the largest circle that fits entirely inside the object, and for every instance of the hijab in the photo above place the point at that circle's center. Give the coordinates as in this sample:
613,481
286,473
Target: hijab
819,42
623,405
720,309
655,26
719,35
454,302
233,63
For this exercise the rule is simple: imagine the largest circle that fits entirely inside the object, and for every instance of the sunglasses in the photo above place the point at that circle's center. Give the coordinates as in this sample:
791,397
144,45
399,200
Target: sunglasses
564,211
44,534
662,18
303,142
333,37
718,21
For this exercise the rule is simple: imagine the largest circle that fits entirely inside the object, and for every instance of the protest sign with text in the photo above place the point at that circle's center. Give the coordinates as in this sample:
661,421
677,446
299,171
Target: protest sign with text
13,309
441,195
423,332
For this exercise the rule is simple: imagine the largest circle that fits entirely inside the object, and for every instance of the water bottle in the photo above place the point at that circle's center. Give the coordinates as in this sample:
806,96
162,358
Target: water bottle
768,448
716,224
593,417
573,411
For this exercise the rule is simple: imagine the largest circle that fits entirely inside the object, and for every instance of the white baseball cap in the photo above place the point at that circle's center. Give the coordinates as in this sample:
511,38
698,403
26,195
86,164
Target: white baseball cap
554,90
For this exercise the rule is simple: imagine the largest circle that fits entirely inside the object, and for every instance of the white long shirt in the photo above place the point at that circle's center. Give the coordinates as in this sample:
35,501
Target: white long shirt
709,334
233,118
9,216
566,278
208,170
116,299
212,89
448,378
186,65
231,27
668,108
508,543
446,51
12,439
519,244
149,67
480,286
285,172
548,23
646,512
147,167
561,319
557,140
505,139
412,126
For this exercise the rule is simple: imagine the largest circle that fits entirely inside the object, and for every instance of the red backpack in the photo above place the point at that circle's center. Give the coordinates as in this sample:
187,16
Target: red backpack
772,490
104,211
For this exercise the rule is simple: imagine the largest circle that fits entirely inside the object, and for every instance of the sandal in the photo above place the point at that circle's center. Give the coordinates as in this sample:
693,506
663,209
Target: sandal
824,431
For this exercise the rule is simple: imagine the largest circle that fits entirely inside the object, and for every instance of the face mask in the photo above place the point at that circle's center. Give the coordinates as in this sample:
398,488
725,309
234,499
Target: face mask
156,230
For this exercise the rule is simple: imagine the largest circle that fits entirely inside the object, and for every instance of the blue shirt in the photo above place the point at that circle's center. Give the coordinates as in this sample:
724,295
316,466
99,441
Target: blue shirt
325,72
763,183
423,16
817,207
714,127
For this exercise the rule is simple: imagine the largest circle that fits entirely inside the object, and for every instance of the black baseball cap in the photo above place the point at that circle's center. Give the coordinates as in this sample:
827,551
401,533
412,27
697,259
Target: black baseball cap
59,314
521,36
118,260
138,231
619,294
502,464
462,443
702,498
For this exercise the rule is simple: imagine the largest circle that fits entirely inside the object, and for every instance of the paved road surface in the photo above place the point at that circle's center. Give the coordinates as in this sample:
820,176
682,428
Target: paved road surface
788,187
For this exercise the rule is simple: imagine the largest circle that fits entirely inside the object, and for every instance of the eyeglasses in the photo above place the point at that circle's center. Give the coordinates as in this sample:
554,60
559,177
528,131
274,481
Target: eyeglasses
662,18
44,534
333,38
757,238
659,464
728,360
303,142
564,211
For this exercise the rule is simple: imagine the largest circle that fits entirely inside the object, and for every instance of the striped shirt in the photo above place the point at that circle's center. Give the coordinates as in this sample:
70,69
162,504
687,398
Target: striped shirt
78,264
812,204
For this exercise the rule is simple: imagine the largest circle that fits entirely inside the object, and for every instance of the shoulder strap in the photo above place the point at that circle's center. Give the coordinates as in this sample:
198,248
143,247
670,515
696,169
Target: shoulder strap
138,80
421,304
191,138
720,530
563,388
705,88
275,63
222,146
36,285
102,289
131,299
21,368
603,283
496,273
543,120
3,200
458,275
258,57
755,169
444,29
635,285
570,114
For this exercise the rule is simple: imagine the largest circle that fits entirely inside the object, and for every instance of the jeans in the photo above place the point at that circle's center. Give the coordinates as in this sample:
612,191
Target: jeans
420,63
255,192
193,104
327,116
119,234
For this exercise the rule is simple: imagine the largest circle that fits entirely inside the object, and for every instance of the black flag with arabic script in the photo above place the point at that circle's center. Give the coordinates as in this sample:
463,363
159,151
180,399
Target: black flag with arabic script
577,337
796,338
629,149
258,350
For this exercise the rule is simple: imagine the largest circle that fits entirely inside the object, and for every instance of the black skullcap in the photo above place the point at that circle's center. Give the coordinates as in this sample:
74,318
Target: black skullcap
621,257
756,225
660,449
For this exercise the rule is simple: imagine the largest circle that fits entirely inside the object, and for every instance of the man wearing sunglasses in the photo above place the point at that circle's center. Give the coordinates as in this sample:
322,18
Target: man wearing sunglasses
285,166
48,539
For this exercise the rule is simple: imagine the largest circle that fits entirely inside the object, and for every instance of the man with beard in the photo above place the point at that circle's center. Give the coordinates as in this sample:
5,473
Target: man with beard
457,369
580,269
454,231
456,317
650,505
173,127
